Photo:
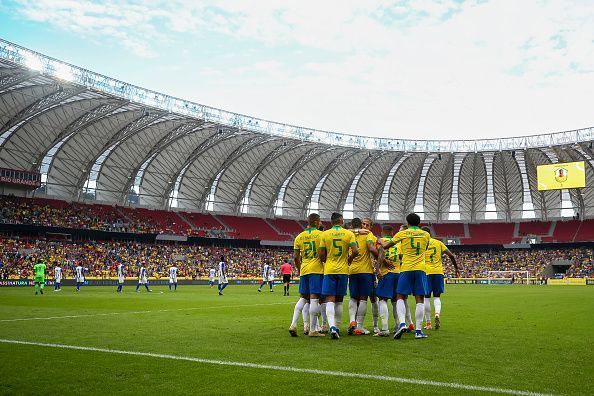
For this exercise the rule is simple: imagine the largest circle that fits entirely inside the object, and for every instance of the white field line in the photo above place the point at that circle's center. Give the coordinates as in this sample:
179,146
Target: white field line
139,312
346,374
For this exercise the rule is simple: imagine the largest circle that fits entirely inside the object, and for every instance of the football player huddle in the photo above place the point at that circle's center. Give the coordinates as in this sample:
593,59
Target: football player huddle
392,267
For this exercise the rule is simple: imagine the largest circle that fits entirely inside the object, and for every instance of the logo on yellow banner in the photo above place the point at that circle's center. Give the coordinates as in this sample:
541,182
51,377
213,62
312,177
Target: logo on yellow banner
560,176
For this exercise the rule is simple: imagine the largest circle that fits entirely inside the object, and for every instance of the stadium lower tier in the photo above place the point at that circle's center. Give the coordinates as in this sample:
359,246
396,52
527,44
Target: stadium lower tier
75,215
17,258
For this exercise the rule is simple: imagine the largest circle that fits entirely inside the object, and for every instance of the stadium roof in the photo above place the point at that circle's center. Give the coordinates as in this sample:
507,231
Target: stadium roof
93,137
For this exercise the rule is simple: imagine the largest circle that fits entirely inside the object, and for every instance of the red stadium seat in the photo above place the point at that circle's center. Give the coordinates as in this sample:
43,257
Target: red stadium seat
565,231
449,230
252,228
287,227
490,233
202,220
585,231
539,228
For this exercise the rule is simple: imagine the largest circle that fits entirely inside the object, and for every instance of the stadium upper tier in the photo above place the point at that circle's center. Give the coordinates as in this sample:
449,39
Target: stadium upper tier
43,212
96,138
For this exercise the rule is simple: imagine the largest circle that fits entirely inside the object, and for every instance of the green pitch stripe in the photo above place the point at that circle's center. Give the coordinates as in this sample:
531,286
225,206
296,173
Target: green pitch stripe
413,381
140,312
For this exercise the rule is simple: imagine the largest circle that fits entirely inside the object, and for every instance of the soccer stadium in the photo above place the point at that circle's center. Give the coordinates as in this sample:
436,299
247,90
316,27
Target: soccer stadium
153,244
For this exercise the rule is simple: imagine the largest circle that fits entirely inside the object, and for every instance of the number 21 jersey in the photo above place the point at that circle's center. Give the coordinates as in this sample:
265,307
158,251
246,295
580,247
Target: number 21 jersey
308,242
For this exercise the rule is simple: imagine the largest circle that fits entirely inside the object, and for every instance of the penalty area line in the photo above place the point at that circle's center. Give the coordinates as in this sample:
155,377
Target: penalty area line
140,312
346,374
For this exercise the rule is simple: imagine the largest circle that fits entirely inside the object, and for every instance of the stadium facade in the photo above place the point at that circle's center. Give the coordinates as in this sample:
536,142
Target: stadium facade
94,138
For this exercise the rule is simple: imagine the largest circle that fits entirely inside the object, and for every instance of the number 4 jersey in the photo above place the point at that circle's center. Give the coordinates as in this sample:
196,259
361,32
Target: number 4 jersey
414,243
308,243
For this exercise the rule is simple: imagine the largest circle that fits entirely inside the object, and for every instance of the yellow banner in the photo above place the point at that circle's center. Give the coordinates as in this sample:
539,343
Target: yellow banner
567,281
559,176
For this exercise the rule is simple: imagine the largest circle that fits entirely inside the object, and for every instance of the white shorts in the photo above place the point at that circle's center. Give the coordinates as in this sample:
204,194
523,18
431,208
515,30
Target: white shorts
58,280
271,279
211,279
80,279
172,280
142,281
121,279
223,279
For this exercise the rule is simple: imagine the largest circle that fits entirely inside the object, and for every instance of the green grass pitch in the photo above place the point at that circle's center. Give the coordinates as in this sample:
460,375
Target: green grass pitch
522,338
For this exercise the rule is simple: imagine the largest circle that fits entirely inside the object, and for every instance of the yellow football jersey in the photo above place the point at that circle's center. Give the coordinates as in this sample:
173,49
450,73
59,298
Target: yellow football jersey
308,242
414,244
337,242
433,257
363,264
393,255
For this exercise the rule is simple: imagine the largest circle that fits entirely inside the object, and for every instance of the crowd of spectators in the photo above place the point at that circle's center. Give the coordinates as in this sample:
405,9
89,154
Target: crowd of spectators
17,258
479,263
17,210
55,213
101,258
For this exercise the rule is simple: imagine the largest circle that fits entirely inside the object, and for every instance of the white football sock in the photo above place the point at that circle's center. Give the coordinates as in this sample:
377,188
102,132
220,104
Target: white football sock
338,313
427,304
361,311
314,308
419,313
408,315
330,314
324,315
401,311
297,311
383,314
375,312
305,314
437,304
352,309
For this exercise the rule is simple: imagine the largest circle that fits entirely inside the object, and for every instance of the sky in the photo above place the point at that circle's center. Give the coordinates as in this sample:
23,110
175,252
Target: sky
422,69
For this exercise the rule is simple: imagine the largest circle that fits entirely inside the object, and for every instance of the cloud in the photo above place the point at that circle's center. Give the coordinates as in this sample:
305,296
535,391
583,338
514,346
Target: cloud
388,67
128,24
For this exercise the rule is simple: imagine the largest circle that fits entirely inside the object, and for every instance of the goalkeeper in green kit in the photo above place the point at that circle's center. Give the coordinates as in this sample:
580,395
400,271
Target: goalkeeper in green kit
39,270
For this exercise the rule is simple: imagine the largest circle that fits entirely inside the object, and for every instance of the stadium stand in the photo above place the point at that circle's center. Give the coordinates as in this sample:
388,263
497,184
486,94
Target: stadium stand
58,213
253,163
